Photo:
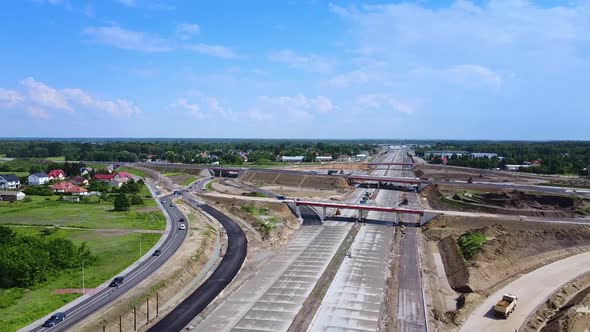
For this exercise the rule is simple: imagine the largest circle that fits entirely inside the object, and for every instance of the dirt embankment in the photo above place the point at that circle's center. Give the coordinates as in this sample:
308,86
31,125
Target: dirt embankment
294,180
511,203
284,222
512,248
333,165
567,310
449,173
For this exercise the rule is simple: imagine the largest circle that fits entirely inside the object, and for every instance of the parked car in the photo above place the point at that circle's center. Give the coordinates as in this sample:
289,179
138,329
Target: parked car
118,281
157,252
182,227
55,319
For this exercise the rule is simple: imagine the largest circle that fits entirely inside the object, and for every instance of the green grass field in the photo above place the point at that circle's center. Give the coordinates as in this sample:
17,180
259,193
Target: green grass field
133,171
77,214
470,244
59,158
19,307
172,173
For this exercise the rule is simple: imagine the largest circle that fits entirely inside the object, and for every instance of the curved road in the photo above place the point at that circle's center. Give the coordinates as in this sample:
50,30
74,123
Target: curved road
231,263
143,270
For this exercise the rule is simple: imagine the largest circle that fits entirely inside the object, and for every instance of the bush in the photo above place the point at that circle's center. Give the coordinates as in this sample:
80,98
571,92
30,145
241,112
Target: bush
38,191
136,200
27,199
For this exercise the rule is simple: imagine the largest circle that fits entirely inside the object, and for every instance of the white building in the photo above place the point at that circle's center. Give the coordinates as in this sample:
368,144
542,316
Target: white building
484,155
361,156
323,158
38,179
9,181
292,159
11,196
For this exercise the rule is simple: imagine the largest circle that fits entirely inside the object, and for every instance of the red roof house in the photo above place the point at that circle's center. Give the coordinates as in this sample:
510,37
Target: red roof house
61,187
75,190
57,174
104,177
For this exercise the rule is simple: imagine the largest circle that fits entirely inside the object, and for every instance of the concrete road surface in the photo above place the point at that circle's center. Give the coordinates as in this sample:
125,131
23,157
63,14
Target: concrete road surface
271,299
353,301
532,290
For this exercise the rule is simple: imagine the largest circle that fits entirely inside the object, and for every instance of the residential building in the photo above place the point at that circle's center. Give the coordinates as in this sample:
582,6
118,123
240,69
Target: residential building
79,181
292,159
38,179
77,191
86,170
9,181
57,174
104,177
344,157
11,196
61,187
361,156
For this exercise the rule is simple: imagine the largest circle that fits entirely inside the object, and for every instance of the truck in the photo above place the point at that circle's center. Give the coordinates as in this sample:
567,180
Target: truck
505,306
332,172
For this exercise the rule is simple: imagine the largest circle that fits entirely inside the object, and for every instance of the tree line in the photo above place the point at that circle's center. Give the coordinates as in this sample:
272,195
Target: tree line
28,260
552,157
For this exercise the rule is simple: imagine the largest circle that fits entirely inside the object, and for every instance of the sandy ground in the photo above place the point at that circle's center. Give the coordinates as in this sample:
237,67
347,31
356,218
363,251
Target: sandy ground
170,281
513,248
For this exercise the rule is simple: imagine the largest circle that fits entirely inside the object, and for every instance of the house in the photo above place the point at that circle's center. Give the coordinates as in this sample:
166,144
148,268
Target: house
9,181
292,159
344,157
361,156
77,191
57,174
124,175
11,196
104,177
79,181
117,182
38,179
86,170
61,187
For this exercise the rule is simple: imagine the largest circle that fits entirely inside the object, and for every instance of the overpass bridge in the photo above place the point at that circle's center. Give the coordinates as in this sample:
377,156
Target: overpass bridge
361,208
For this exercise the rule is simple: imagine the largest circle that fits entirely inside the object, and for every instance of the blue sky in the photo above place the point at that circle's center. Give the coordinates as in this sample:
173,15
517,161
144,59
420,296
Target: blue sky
498,69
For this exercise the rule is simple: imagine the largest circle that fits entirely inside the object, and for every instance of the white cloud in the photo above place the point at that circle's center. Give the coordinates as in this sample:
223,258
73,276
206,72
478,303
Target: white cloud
379,101
201,106
126,39
118,37
298,103
309,62
187,31
212,50
119,107
347,79
258,115
10,98
39,100
45,96
469,73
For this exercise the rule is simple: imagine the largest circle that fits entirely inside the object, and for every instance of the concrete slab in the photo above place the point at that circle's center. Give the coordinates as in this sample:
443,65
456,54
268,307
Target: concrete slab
354,298
273,297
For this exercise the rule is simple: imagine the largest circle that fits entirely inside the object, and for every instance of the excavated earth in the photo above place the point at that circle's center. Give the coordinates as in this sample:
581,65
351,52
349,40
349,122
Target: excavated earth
512,248
511,203
293,180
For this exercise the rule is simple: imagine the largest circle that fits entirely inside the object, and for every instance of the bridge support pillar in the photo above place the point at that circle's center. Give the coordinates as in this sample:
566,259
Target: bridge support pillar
298,212
323,214
360,215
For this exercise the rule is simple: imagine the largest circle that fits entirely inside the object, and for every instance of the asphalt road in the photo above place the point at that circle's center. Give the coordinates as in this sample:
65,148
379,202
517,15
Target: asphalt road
231,263
142,271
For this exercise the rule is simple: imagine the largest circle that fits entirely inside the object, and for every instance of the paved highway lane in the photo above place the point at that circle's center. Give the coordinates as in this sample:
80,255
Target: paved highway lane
231,263
142,271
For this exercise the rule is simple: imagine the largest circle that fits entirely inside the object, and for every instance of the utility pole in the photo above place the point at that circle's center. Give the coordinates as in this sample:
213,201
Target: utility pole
83,284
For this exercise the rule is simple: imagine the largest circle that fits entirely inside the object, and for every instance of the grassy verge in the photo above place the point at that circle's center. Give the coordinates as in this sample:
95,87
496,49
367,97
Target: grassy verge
59,158
173,173
41,211
265,223
470,244
19,307
133,171
209,186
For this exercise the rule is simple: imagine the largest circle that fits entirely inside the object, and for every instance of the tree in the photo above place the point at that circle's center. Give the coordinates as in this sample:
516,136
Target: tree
121,203
35,169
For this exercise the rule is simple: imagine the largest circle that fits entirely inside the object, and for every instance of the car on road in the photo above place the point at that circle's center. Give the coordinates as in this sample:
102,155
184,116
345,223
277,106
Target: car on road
171,205
118,281
181,220
182,227
157,252
55,319
280,197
